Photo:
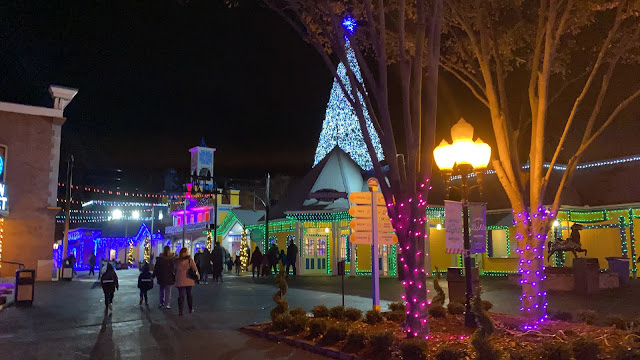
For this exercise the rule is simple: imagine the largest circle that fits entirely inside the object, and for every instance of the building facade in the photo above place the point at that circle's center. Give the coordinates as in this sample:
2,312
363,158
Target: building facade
30,156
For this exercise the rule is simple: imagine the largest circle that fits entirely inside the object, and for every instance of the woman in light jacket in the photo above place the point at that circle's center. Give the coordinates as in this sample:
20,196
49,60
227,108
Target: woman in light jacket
184,283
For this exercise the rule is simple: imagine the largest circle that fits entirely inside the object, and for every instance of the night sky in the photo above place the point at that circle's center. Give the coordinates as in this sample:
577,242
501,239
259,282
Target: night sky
154,77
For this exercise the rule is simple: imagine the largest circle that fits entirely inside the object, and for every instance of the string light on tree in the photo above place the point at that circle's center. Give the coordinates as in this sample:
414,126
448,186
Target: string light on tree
244,250
341,127
147,249
130,257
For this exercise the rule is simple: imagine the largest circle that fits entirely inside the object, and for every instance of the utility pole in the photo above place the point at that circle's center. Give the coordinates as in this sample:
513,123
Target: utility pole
266,216
184,217
67,211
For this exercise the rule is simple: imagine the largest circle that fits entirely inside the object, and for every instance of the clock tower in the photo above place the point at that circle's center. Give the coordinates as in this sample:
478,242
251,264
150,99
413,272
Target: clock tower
202,162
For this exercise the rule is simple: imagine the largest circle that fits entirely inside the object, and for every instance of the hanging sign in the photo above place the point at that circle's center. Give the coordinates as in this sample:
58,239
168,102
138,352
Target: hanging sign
454,242
478,227
328,195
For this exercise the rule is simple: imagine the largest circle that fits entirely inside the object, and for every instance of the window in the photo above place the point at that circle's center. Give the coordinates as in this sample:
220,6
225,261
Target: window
199,217
497,243
178,221
309,245
207,216
322,247
273,240
344,243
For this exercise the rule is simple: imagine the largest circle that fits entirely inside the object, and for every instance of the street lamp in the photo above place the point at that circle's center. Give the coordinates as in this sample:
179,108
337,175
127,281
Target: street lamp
116,214
463,157
135,215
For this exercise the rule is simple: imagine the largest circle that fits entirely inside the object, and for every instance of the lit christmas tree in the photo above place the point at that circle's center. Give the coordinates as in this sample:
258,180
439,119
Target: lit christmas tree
147,249
341,127
130,258
209,242
244,250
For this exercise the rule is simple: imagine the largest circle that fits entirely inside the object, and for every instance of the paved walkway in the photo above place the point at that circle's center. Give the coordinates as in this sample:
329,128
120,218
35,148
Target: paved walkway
67,322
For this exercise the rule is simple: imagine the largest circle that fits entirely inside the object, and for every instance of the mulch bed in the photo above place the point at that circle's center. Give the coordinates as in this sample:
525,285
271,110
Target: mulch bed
450,332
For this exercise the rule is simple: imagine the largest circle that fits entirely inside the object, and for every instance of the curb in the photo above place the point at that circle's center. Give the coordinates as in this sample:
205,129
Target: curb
302,344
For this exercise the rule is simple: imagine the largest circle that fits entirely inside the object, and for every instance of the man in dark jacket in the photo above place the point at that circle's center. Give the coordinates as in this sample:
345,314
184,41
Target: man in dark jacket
145,283
204,264
164,271
272,255
217,262
109,284
292,256
196,259
92,264
256,261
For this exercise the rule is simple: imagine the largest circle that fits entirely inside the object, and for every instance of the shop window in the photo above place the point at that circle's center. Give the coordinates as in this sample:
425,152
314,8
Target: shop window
199,217
178,221
309,245
322,247
207,217
344,243
497,243
273,241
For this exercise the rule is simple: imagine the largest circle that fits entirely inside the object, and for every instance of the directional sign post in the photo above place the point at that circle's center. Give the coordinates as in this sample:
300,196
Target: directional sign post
375,270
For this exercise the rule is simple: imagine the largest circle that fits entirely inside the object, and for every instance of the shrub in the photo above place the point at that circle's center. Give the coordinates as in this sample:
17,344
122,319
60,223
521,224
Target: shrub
455,308
335,332
381,343
317,327
413,349
396,316
481,337
298,312
556,351
627,354
353,314
562,316
281,304
617,321
585,349
282,322
397,306
337,312
356,341
373,317
450,354
440,297
320,311
487,305
588,317
437,311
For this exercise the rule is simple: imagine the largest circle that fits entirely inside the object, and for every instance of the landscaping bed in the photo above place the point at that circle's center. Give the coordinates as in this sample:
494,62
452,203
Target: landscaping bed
357,339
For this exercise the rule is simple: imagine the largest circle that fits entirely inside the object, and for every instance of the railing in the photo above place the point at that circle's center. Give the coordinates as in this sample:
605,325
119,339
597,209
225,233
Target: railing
176,229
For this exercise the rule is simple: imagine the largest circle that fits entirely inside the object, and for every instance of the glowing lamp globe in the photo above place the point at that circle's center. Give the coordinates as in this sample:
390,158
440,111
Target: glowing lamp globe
135,215
443,155
463,150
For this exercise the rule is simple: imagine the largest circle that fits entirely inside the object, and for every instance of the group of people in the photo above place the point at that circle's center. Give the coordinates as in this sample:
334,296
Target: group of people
210,262
263,264
169,271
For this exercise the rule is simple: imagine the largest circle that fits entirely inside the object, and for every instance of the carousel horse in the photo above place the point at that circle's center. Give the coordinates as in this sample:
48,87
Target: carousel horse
571,244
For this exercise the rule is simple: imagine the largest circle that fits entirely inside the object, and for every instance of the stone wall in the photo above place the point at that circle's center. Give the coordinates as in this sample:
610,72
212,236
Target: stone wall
33,152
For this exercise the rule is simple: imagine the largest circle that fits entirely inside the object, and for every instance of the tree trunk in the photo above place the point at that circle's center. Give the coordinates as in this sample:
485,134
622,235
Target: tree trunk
410,228
532,228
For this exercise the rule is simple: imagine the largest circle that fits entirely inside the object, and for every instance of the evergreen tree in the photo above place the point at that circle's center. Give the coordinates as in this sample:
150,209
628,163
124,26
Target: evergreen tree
244,250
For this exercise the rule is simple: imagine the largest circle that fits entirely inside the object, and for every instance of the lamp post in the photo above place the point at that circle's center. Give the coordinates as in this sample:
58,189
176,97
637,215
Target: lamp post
463,157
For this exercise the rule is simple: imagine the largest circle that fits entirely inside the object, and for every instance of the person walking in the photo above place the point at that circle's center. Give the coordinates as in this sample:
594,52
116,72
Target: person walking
272,255
256,262
109,284
92,264
196,259
282,259
266,266
186,274
164,272
217,262
145,283
292,256
205,266
237,263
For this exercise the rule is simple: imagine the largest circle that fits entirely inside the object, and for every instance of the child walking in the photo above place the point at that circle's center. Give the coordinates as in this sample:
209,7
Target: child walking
109,283
237,263
145,283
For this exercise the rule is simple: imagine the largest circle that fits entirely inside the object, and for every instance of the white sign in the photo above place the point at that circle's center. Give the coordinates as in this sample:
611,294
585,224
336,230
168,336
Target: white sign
366,238
454,241
3,198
